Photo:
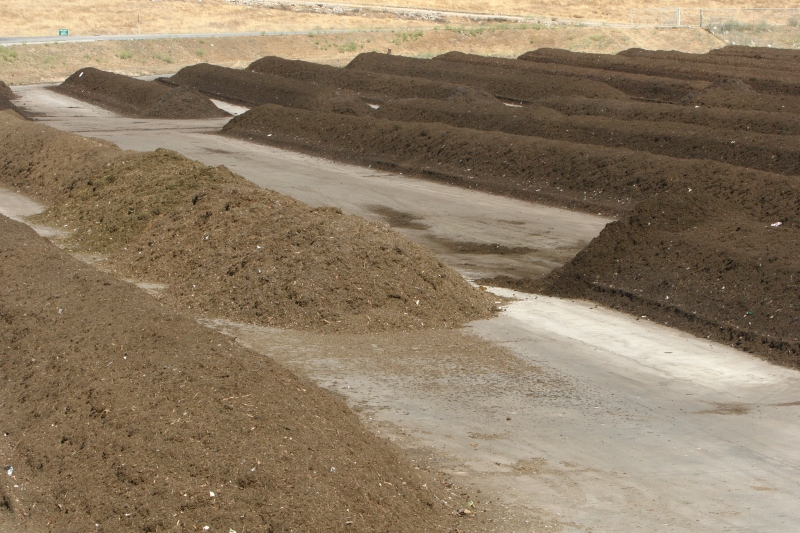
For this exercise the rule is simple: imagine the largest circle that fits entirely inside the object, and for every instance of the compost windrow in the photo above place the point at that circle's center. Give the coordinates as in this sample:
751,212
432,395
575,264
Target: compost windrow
137,98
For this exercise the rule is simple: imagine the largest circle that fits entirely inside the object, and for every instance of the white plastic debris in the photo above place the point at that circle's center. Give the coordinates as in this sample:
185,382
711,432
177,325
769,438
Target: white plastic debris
333,470
776,224
211,493
10,470
80,75
374,106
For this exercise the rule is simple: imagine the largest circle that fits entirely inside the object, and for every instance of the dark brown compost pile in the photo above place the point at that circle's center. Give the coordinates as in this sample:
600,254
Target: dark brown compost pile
705,186
120,415
137,98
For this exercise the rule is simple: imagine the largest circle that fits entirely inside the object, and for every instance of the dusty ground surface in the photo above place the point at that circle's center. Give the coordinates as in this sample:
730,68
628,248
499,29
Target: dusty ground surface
55,62
137,98
120,415
591,421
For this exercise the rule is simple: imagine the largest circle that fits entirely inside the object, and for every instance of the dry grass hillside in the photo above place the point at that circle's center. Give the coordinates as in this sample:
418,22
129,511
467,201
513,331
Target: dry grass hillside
55,62
88,17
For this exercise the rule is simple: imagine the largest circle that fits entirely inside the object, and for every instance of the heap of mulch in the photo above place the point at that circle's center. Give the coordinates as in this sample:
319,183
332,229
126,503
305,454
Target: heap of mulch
733,93
716,59
137,98
580,176
757,52
368,85
662,192
120,415
772,153
731,119
506,84
6,95
225,247
715,267
251,89
6,92
635,85
773,81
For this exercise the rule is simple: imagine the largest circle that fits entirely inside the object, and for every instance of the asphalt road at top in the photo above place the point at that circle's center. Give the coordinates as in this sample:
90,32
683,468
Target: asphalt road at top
595,422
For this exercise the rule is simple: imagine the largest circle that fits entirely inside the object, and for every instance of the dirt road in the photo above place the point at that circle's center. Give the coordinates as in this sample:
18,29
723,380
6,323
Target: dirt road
590,421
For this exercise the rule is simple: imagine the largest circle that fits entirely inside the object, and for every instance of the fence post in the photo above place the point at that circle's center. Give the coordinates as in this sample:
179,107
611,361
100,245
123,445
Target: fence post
630,12
701,18
679,17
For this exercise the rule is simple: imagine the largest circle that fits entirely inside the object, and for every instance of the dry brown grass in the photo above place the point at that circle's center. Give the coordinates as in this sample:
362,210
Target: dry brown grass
40,63
23,18
87,17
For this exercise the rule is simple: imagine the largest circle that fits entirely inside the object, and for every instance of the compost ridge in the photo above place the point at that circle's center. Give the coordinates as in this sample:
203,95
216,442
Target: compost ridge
634,85
6,92
369,85
251,89
137,98
772,153
121,415
775,82
227,248
512,86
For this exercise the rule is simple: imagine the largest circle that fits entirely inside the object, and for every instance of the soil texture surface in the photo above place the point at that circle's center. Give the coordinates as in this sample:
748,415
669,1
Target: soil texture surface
6,95
772,80
695,214
517,86
137,98
121,415
365,83
632,84
225,247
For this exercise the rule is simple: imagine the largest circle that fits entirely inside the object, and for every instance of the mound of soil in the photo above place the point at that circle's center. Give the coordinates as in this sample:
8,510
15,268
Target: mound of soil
716,59
738,119
773,153
755,52
586,177
6,92
252,89
506,84
688,216
370,85
6,95
5,103
120,415
699,263
137,98
768,81
636,85
225,247
735,94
